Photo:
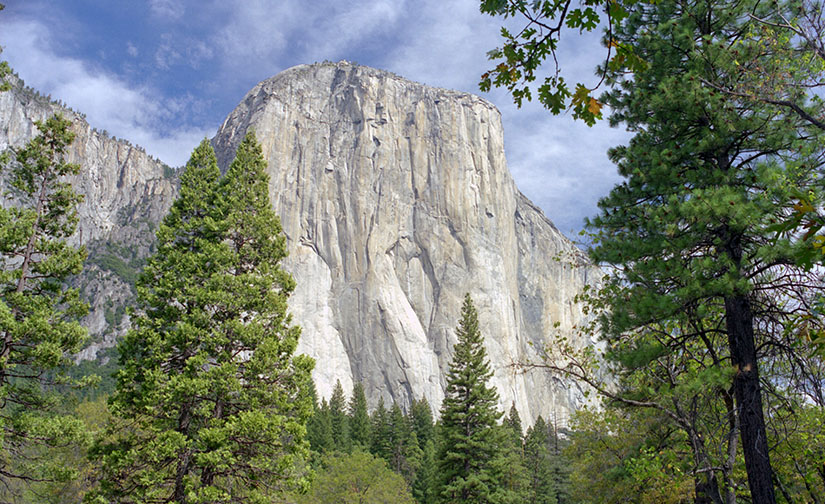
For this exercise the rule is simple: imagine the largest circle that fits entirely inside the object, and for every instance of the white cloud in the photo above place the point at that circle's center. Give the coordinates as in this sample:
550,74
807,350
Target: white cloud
169,9
559,163
109,103
174,51
132,50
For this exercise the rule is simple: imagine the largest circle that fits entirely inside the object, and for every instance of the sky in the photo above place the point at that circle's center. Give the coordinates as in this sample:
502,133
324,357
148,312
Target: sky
164,74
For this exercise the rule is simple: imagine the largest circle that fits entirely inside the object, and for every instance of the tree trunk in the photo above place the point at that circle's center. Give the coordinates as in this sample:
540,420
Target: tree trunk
748,394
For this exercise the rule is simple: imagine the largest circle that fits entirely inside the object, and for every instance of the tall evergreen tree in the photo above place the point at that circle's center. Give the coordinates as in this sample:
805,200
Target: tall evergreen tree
422,420
513,422
405,453
319,429
508,464
707,177
469,419
537,455
425,481
218,400
39,315
359,419
338,418
381,436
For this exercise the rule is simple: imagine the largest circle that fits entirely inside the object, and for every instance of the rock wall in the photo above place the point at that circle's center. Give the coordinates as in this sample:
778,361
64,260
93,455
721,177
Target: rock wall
396,200
126,193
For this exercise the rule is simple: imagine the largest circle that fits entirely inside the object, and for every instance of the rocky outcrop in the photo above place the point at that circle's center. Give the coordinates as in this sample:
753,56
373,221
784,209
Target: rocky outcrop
396,200
126,193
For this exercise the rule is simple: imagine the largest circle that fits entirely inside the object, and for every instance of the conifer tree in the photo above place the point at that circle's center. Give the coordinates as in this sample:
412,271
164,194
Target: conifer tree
359,420
381,444
541,488
508,463
422,420
319,429
692,228
425,481
513,423
405,453
338,418
219,402
469,434
39,315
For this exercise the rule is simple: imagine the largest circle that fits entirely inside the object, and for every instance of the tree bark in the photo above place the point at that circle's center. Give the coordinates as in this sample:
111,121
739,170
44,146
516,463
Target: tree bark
748,394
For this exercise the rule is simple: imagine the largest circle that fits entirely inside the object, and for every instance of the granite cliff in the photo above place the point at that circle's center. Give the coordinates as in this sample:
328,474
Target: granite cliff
126,193
396,200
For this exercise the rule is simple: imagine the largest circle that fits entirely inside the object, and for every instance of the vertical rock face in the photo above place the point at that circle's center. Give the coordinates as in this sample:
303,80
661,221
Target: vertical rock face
396,200
126,193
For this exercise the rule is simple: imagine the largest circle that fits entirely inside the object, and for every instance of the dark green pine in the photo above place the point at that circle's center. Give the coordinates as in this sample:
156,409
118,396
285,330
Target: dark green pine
469,417
338,418
707,176
359,420
422,420
539,463
208,372
381,435
39,315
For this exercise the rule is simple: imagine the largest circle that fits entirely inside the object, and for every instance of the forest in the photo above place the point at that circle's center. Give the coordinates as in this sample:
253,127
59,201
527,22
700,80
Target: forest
710,378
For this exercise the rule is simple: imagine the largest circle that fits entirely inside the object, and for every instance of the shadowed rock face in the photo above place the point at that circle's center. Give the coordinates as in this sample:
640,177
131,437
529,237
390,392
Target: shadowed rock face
126,193
396,200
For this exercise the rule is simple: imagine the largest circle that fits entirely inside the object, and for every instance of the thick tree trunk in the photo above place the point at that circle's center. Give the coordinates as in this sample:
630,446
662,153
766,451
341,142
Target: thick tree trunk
748,394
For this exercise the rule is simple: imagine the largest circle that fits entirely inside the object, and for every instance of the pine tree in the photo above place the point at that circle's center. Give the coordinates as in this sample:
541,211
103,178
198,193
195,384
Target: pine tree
319,429
208,376
338,418
692,227
405,453
513,423
359,420
381,442
425,481
39,315
508,464
422,420
469,432
538,460
559,464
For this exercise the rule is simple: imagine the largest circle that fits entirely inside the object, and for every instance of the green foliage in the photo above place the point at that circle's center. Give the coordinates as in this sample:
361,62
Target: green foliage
690,230
626,457
422,420
357,478
319,429
359,420
39,316
338,418
118,266
523,53
381,445
539,464
471,440
102,370
218,403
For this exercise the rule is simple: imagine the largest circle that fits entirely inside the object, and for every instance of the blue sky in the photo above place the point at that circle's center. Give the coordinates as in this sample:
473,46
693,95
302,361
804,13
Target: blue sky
165,73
